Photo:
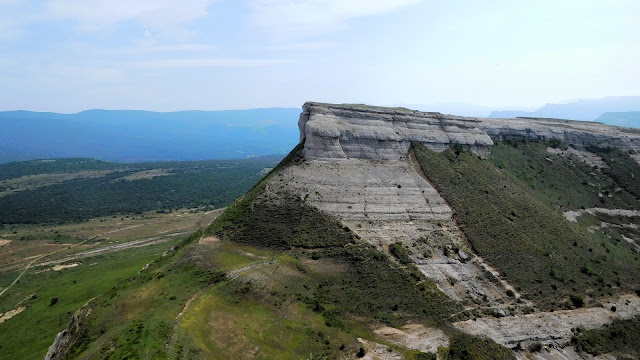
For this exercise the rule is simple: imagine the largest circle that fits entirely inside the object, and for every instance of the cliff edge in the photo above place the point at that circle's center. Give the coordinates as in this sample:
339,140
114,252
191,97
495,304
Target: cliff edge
334,131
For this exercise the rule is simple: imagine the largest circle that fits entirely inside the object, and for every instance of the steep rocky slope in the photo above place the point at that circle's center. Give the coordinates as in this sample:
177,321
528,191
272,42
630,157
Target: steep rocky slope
364,251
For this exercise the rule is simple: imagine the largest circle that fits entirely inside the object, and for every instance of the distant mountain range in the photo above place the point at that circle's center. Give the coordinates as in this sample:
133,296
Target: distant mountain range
135,136
588,110
628,119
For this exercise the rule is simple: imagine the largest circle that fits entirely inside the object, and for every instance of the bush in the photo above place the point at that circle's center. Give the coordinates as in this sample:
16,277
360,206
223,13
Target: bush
466,347
361,353
558,144
535,347
400,252
577,300
620,337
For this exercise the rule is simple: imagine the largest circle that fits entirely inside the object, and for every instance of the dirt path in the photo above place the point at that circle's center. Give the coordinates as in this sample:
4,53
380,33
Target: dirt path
9,314
39,257
114,248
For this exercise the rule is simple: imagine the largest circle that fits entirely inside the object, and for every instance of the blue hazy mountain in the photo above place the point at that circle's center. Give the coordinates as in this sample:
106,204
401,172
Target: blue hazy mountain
588,109
133,136
628,119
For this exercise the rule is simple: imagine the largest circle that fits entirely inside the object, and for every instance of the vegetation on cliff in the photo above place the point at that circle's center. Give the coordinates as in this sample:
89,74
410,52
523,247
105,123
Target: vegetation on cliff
621,338
509,223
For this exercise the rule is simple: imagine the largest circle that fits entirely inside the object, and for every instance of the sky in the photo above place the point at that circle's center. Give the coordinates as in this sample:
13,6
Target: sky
167,55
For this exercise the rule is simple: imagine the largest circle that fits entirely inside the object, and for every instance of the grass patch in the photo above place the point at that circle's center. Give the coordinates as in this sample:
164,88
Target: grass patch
401,253
621,338
464,347
564,183
45,317
228,326
376,288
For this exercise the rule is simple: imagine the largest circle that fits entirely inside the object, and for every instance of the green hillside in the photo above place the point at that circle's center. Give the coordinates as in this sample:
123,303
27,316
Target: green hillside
273,277
297,293
508,209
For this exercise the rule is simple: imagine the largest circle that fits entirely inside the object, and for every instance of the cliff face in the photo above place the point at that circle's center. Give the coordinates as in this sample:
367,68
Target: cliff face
360,167
579,134
357,131
365,132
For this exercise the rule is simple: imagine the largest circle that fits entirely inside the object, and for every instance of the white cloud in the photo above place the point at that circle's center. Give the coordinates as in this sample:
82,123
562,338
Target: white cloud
292,18
157,14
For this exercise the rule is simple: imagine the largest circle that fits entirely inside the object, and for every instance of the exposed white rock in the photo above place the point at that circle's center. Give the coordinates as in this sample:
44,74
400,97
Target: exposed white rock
366,132
363,132
549,327
390,201
579,134
415,336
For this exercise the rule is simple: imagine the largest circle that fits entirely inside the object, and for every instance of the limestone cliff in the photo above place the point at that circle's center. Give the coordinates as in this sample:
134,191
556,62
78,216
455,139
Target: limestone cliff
359,166
377,133
364,132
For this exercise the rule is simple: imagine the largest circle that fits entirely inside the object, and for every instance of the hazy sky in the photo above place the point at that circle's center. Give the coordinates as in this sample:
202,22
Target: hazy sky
72,55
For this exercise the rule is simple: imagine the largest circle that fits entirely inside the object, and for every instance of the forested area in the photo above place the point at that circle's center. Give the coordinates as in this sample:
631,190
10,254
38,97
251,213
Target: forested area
122,188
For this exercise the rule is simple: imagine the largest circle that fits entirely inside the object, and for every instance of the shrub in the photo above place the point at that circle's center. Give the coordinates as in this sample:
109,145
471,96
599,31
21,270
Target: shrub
558,144
535,347
400,252
577,300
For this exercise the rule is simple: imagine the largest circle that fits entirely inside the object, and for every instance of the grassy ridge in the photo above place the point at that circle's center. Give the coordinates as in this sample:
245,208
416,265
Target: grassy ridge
622,168
544,254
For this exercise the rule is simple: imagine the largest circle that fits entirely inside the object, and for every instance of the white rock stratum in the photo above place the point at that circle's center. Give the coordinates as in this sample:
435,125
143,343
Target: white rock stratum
366,132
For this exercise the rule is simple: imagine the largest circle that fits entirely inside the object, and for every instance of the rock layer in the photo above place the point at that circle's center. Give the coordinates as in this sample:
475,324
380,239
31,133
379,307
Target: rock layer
363,132
376,133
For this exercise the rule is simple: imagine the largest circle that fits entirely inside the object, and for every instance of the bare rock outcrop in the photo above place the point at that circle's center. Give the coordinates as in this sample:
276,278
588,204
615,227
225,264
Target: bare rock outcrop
365,132
377,133
579,134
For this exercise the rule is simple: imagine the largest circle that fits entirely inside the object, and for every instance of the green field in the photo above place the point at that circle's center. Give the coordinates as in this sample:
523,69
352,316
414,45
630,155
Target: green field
66,275
51,297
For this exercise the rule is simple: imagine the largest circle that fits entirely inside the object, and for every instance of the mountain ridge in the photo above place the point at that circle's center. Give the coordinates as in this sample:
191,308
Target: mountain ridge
586,109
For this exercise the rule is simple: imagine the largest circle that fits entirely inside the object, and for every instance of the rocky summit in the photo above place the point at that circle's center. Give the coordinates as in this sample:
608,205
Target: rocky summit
377,133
